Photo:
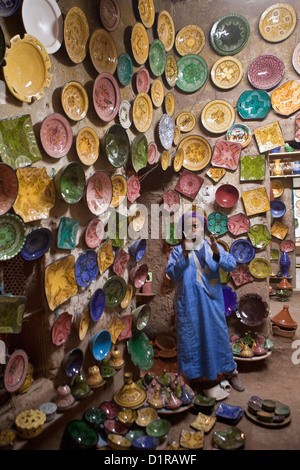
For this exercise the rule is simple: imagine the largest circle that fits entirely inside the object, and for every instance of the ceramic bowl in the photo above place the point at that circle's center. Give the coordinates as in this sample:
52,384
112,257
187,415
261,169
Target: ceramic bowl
269,405
49,409
158,428
9,188
127,416
282,410
37,243
79,435
145,416
139,275
145,443
134,433
111,409
113,426
8,439
99,192
97,304
71,183
116,146
201,401
227,195
137,249
118,442
100,344
278,208
72,362
252,310
94,417
264,416
94,233
141,316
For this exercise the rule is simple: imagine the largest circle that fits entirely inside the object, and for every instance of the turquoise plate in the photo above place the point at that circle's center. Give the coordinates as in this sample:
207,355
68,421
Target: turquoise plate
254,104
124,69
217,223
192,73
230,34
157,58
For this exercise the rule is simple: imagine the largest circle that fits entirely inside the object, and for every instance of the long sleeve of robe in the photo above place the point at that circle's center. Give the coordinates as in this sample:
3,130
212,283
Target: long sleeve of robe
203,344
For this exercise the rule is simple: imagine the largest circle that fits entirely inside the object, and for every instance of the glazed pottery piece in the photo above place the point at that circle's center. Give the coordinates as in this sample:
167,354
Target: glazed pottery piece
12,236
155,401
266,71
86,268
203,423
186,122
278,209
124,69
166,131
60,281
95,380
192,440
106,96
56,135
7,439
115,327
12,308
269,137
216,173
279,230
67,233
189,184
177,135
26,69
79,435
87,146
287,245
100,344
109,14
141,316
238,224
98,192
130,395
9,8
230,34
139,43
227,195
103,51
253,167
157,92
143,80
141,352
178,160
49,409
113,426
285,100
94,233
19,148
139,153
145,416
259,235
145,443
243,251
166,29
97,304
256,201
226,154
296,58
197,152
137,249
254,104
171,201
105,256
142,112
190,40
240,134
227,72
125,114
127,298
283,319
128,417
76,35
277,22
252,310
111,409
231,438
118,442
64,398
15,371
61,329
116,359
120,262
147,12
116,146
229,413
158,428
230,300
114,291
9,188
192,73
94,417
75,101
29,423
138,275
217,116
72,362
157,57
217,223
170,104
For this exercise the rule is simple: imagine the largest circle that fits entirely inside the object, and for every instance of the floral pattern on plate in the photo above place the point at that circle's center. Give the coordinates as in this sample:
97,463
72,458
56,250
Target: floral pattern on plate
252,167
230,34
254,104
189,184
279,230
106,96
277,22
120,262
266,71
67,233
103,51
166,29
139,43
190,40
86,268
56,135
105,256
60,281
74,100
192,73
142,112
227,72
99,192
216,173
76,35
87,146
171,70
286,99
166,131
241,275
259,235
197,152
226,154
256,201
217,223
269,137
147,12
217,116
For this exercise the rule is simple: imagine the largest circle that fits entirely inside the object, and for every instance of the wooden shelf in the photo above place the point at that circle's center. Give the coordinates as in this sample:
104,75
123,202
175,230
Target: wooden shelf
285,176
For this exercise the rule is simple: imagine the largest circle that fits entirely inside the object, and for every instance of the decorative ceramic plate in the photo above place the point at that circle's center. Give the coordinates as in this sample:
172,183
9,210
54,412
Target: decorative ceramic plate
192,73
124,69
97,304
87,146
9,187
8,8
296,58
253,167
266,71
256,201
171,201
189,184
259,235
157,58
15,371
105,256
99,192
227,72
177,135
278,209
197,152
120,263
238,224
178,160
142,112
190,40
70,182
106,96
166,131
186,122
286,99
217,223
240,134
103,52
43,20
241,275
229,439
86,268
279,230
74,100
125,302
216,173
119,184
277,188
133,188
36,195
217,116
139,152
165,160
243,251
171,70
56,135
116,146
252,310
152,153
254,104
227,195
157,92
37,243
61,329
277,22
269,137
287,245
114,290
26,69
109,14
12,236
230,34
60,281
226,154
67,233
260,268
124,112
12,308
76,35
147,12
94,233
139,43
143,81
166,30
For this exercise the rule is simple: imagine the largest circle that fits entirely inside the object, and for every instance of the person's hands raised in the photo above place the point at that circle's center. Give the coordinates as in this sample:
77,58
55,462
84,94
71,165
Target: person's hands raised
213,244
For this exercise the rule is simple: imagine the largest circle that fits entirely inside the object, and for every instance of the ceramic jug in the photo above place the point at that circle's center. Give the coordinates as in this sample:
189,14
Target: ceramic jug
277,171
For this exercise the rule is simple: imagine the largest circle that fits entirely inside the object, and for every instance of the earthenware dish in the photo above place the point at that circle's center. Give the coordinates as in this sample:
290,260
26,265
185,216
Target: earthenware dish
106,96
189,40
116,145
266,71
124,69
230,34
227,195
103,51
196,152
139,43
192,73
12,235
110,14
60,282
217,116
243,251
87,146
74,100
254,104
252,310
277,22
166,29
98,193
76,35
227,72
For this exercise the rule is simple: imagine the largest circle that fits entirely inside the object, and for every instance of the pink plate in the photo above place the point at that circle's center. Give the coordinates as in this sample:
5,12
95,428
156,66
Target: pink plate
189,184
106,96
138,275
241,275
287,245
266,71
143,81
16,371
171,201
56,135
226,154
238,224
61,329
152,153
227,195
133,188
110,14
99,192
94,233
127,332
120,262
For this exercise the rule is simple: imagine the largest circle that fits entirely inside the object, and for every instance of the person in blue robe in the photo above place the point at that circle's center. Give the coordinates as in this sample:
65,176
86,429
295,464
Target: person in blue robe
203,344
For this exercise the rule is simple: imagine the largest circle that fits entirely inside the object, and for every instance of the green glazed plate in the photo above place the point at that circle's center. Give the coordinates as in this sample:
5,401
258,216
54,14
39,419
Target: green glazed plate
259,235
229,439
12,309
254,104
12,236
114,290
141,352
157,58
72,183
260,268
124,69
217,223
253,167
230,34
139,152
116,146
192,73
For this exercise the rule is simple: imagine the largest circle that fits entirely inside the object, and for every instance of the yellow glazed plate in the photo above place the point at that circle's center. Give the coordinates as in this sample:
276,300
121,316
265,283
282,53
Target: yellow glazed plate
277,22
76,35
36,194
178,160
157,92
119,185
82,323
60,281
74,100
115,327
166,30
269,137
286,99
192,439
139,43
142,112
105,256
147,12
197,152
277,187
256,201
227,72
87,146
171,70
217,116
26,71
128,297
170,103
203,422
177,135
216,173
190,40
165,160
103,52
186,122
279,230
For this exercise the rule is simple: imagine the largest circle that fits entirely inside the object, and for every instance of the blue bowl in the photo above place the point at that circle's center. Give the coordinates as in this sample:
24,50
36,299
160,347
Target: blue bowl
97,304
243,251
100,344
278,209
145,443
8,8
86,268
36,244
137,249
72,362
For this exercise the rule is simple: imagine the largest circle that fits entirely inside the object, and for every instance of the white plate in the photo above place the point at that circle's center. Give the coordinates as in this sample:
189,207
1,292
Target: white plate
43,20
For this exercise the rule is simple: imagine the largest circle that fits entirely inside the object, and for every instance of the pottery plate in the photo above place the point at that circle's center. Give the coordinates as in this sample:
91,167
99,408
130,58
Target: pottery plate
61,328
189,184
109,14
226,154
231,438
124,69
192,73
279,230
217,116
252,168
260,268
87,146
119,184
238,224
103,51
259,235
166,131
171,70
60,281
26,71
99,192
139,152
229,34
277,188
76,35
252,310
86,268
217,223
286,99
15,371
9,187
190,40
74,100
240,134
296,58
269,137
12,308
124,113
227,72
186,122
116,146
197,152
36,244
266,71
256,201
114,290
139,43
277,22
56,135
106,96
142,112
94,233
12,236
254,104
166,29
157,58
147,12
157,92
243,251
67,233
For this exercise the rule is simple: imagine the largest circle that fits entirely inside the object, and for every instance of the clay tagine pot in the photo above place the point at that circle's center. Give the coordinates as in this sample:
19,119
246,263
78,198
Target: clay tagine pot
283,319
94,378
64,397
130,395
284,284
116,359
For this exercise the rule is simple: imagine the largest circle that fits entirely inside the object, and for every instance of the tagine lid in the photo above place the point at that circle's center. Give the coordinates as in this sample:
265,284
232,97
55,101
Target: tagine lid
284,284
284,318
130,395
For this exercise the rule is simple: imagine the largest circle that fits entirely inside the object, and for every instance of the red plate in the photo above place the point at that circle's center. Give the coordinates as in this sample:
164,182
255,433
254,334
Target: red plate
143,81
133,188
120,263
56,135
189,184
238,224
287,245
16,371
226,154
61,328
106,96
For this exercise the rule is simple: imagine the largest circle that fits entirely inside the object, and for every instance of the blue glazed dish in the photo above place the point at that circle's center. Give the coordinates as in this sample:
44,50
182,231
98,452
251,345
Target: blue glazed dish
166,131
100,344
72,362
254,104
37,243
243,251
145,442
229,413
137,249
86,268
97,304
278,209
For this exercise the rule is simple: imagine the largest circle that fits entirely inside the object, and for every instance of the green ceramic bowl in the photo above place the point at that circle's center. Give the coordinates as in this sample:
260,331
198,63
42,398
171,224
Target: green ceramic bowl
157,57
71,183
79,436
158,428
116,146
269,405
